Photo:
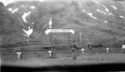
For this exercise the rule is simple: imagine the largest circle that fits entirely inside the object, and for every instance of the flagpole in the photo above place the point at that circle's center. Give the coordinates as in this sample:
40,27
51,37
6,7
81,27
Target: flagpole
80,37
51,41
50,25
28,40
69,39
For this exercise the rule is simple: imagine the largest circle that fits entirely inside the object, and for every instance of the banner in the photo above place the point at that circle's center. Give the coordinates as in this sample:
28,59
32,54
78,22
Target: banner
59,31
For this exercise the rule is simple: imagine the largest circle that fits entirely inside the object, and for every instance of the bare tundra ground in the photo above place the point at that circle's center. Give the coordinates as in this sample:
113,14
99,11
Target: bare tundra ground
34,60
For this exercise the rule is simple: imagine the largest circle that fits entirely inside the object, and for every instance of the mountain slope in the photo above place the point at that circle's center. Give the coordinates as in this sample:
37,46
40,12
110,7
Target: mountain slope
99,21
10,31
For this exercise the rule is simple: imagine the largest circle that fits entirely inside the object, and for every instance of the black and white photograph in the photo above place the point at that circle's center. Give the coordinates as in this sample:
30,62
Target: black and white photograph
62,35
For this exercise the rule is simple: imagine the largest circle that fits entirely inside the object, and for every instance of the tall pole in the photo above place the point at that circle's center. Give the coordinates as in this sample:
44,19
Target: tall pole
28,40
69,39
50,25
80,37
51,40
51,44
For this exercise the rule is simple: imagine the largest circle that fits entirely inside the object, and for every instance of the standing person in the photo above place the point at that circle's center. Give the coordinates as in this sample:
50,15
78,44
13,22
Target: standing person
90,48
74,48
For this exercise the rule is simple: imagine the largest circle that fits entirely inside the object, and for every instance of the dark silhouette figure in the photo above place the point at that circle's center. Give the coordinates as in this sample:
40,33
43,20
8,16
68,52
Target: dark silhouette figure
74,49
90,48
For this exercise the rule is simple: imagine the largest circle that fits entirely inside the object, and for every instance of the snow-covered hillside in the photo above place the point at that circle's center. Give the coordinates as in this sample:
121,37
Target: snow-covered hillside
99,21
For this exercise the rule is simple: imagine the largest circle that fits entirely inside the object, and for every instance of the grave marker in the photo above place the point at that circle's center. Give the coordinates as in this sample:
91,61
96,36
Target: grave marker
107,50
82,50
123,48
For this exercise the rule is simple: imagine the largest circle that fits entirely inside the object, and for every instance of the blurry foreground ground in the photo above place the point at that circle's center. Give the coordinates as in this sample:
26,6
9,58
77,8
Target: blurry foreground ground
34,58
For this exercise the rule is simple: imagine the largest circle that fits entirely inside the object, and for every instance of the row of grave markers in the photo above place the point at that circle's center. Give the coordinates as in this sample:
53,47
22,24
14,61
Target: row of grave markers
82,50
55,31
62,31
107,49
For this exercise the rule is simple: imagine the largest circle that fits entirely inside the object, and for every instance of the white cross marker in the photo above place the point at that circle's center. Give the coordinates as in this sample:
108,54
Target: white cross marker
123,47
50,53
19,55
82,50
107,49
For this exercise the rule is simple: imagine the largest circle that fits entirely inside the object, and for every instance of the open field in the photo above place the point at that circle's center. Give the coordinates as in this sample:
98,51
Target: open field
39,57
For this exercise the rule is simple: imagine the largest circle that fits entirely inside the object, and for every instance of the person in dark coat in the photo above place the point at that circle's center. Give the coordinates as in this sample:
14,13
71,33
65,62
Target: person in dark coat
74,48
90,48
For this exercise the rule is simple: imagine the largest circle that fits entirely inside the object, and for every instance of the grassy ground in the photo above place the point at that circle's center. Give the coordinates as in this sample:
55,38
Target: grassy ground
40,57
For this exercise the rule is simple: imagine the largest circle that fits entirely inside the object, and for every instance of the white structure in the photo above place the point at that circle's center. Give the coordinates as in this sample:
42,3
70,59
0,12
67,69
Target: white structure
19,55
82,50
123,46
50,53
107,50
59,31
50,23
28,33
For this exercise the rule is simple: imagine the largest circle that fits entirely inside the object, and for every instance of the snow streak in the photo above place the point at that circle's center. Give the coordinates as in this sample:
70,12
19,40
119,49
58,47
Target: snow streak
25,15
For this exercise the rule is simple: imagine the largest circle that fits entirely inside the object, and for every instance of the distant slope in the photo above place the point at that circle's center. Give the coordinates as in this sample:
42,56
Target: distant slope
99,21
10,31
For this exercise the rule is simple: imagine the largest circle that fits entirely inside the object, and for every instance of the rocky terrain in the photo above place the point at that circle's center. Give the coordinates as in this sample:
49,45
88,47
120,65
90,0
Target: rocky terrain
99,21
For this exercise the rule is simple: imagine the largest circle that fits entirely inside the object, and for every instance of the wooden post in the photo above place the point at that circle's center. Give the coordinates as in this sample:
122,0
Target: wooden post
69,40
117,50
22,53
51,44
99,50
28,40
80,37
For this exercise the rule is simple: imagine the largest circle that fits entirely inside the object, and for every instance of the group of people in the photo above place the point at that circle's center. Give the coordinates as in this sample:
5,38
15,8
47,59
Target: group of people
74,48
